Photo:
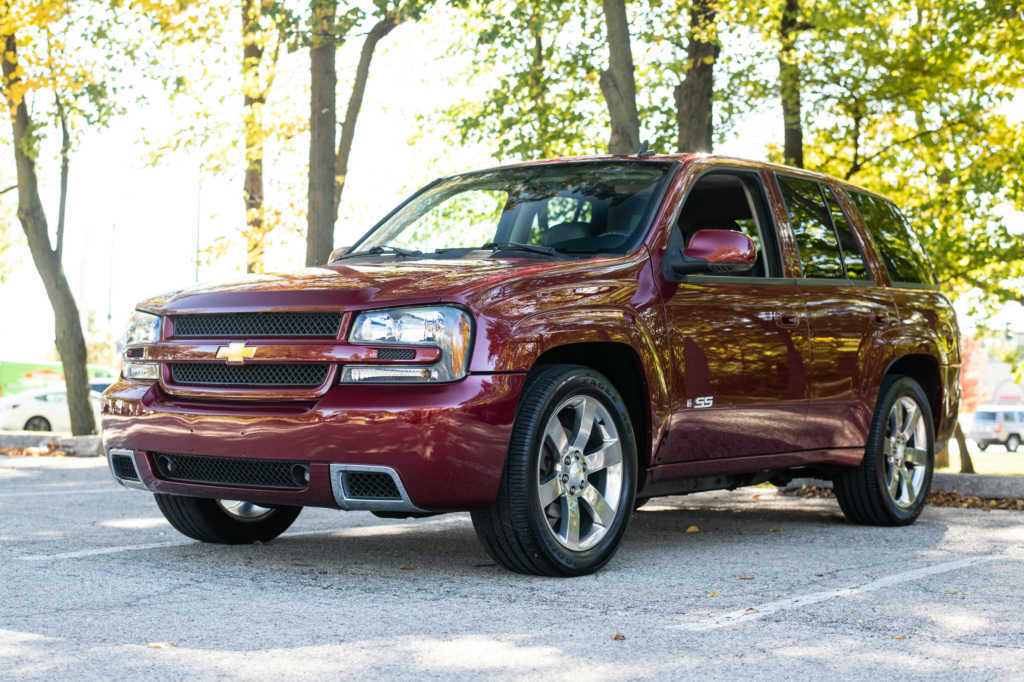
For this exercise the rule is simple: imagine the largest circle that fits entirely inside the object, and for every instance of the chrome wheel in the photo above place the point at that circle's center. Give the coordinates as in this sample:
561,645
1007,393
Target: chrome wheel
906,452
245,511
579,472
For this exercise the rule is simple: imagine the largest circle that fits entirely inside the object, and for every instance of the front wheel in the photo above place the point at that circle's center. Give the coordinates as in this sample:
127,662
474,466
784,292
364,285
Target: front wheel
37,424
227,522
1012,443
567,491
890,485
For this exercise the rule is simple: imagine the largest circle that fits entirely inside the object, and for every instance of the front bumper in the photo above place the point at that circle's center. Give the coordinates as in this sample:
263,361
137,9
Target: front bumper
445,443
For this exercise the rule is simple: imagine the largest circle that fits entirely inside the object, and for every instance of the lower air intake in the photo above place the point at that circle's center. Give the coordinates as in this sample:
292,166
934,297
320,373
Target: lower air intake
232,471
371,485
124,467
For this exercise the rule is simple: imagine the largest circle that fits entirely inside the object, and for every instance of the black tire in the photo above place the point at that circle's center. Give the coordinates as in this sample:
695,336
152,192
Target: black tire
1012,443
207,521
515,530
982,445
863,492
38,423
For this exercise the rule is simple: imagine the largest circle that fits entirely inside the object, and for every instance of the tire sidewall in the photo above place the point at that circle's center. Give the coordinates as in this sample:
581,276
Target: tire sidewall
903,387
591,384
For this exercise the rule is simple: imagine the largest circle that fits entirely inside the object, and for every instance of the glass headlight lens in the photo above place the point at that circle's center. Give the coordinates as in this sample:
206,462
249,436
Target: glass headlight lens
142,328
445,327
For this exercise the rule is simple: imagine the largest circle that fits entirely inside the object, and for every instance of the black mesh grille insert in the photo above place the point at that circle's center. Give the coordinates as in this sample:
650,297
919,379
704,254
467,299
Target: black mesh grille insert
232,471
396,353
249,375
372,485
124,468
258,324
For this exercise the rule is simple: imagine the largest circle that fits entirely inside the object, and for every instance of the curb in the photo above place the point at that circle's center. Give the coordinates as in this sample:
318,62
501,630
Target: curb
75,446
980,485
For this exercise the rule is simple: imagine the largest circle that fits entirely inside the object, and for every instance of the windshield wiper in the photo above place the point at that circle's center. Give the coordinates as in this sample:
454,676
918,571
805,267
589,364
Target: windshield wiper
519,246
385,248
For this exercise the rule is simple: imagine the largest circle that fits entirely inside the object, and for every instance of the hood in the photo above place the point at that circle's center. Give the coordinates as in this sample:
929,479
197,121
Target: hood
348,285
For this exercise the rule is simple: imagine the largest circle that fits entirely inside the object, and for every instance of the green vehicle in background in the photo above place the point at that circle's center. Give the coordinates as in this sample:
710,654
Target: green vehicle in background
16,377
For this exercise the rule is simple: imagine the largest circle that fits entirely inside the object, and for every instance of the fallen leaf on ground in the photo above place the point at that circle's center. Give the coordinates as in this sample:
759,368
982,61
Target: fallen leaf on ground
746,577
714,593
756,497
618,636
159,645
752,610
693,529
407,567
936,498
898,637
774,530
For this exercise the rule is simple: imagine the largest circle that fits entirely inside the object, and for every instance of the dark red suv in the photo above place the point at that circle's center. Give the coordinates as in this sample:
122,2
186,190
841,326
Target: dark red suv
549,345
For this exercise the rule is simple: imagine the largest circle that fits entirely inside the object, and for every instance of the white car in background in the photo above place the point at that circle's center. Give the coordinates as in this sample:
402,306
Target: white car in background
42,410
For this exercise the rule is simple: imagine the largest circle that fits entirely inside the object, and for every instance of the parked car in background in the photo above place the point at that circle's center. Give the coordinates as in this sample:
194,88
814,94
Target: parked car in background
100,385
547,346
42,410
998,424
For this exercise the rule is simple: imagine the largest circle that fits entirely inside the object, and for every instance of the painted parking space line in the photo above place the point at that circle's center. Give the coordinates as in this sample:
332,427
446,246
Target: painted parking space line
347,530
44,493
761,610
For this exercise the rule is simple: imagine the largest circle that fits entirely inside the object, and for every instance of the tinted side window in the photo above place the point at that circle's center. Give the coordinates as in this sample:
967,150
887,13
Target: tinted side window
812,228
900,251
853,259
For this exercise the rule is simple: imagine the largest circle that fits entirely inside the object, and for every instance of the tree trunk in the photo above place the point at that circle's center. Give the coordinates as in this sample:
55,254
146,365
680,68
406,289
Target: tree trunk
322,121
789,85
355,102
65,162
254,98
618,83
694,96
966,463
70,341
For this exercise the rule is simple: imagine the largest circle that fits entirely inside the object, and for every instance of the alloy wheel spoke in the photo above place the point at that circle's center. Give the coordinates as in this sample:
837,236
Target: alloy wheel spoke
556,434
609,454
602,511
586,413
908,484
909,424
549,491
917,456
571,520
894,484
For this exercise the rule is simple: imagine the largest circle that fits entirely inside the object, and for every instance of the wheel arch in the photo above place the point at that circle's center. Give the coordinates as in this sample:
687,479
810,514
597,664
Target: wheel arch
623,367
924,369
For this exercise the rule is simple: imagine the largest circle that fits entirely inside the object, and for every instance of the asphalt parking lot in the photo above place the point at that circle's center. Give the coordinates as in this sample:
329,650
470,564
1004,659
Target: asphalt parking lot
94,584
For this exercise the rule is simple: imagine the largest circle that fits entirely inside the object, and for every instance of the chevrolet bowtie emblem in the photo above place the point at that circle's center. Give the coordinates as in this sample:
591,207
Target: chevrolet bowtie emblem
235,353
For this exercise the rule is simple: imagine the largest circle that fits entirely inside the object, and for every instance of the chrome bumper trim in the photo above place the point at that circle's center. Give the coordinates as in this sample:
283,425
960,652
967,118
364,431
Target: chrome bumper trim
365,504
130,454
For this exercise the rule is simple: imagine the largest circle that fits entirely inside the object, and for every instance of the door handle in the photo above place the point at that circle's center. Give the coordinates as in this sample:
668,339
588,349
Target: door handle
787,320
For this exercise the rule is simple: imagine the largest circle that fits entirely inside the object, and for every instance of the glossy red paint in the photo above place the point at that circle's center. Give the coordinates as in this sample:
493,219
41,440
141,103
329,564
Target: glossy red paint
721,246
792,367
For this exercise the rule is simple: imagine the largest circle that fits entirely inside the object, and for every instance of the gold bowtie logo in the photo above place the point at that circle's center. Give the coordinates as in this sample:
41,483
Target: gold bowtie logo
235,353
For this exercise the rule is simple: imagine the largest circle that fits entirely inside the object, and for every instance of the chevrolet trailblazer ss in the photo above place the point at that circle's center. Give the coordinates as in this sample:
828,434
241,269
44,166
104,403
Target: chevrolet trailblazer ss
548,346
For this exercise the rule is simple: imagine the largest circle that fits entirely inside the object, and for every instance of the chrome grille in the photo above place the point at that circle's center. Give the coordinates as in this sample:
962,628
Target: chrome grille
207,374
257,324
124,468
232,471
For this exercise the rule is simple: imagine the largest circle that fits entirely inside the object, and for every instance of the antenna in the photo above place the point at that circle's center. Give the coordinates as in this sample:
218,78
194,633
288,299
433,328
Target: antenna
645,150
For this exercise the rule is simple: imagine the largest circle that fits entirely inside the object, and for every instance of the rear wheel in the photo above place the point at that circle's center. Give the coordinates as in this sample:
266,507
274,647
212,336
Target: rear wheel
229,522
890,485
982,445
1012,443
37,424
567,491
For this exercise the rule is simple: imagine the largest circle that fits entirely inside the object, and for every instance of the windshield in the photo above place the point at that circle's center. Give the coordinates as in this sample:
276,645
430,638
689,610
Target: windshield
570,208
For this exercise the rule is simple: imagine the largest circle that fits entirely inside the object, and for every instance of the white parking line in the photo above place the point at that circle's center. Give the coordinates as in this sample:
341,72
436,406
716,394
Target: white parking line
42,493
348,530
762,610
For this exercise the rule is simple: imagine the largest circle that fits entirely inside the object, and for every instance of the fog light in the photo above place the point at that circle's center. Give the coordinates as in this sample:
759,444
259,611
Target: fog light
389,374
141,370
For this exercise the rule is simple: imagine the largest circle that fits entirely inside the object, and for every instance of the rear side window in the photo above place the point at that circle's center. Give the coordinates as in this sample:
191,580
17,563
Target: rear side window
985,416
853,259
900,250
812,229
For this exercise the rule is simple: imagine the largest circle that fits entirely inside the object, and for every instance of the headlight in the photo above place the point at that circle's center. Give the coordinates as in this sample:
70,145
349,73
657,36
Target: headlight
143,329
445,327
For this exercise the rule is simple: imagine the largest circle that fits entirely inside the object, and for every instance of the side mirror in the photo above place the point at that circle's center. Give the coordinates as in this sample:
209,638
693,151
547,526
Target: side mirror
718,251
338,253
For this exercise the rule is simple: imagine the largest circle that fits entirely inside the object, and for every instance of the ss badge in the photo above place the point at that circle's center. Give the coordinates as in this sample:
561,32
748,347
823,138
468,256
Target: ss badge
702,401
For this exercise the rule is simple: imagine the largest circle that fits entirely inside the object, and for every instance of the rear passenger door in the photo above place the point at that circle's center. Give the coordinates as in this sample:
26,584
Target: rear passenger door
847,313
